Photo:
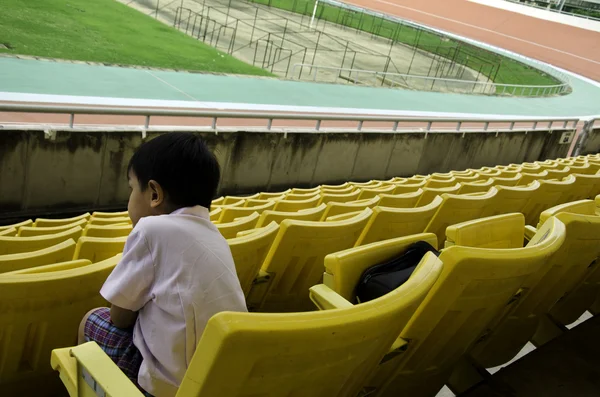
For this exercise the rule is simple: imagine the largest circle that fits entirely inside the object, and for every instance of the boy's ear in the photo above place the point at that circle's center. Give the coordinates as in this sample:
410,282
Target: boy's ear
157,194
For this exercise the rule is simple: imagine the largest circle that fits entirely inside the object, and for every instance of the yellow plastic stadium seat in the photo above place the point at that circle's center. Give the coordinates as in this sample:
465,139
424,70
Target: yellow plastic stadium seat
527,167
97,249
229,214
456,208
306,191
28,222
489,173
240,203
312,214
218,201
334,208
111,214
442,176
297,205
108,231
348,189
455,313
316,354
558,173
463,173
369,184
249,253
295,261
429,194
586,168
41,222
60,266
344,269
336,187
433,183
29,231
215,214
409,187
584,187
229,200
406,200
508,174
272,196
562,270
342,217
9,232
41,312
339,198
527,178
254,203
231,229
16,245
547,195
369,193
503,231
508,181
61,252
476,187
468,178
547,165
301,196
387,223
109,221
510,199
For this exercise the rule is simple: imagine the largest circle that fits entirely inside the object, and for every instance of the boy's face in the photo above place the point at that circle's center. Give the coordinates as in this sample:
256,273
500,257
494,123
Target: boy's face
140,202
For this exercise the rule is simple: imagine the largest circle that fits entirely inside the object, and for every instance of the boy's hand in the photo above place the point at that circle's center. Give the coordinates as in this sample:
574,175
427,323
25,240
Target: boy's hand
122,318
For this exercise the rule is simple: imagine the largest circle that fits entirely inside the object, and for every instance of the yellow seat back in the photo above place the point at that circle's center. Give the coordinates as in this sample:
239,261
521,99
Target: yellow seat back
215,214
28,222
297,205
295,261
109,221
429,194
583,207
368,193
559,173
8,232
97,249
409,187
249,253
548,195
229,214
507,181
41,312
584,187
434,183
387,223
339,198
272,196
334,208
475,286
15,245
456,208
229,200
306,190
107,231
60,252
312,214
527,178
476,186
405,200
467,178
501,231
231,229
510,199
120,214
584,168
42,222
30,231
55,267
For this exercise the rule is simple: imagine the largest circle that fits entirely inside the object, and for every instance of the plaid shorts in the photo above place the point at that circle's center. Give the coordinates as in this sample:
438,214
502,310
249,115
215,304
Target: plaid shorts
117,343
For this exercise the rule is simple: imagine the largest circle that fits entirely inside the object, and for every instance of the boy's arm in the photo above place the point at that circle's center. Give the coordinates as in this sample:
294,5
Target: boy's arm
122,318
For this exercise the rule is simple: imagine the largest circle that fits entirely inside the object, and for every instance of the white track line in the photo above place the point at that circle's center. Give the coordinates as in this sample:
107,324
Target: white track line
171,85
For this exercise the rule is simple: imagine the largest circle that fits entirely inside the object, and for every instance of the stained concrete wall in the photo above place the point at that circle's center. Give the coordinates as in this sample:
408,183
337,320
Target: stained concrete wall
83,170
592,143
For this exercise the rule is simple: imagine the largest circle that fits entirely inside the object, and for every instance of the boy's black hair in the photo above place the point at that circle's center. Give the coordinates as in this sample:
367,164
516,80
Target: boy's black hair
183,166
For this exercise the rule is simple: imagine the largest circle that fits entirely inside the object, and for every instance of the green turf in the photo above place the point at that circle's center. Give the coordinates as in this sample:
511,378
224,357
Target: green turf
501,70
106,31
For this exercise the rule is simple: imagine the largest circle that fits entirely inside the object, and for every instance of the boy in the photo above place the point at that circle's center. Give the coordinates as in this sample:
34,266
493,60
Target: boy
176,271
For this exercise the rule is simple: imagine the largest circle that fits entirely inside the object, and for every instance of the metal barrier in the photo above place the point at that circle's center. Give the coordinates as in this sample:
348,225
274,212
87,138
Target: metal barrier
399,80
555,10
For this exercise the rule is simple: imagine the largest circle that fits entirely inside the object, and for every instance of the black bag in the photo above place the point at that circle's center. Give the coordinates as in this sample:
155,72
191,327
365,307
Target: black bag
385,277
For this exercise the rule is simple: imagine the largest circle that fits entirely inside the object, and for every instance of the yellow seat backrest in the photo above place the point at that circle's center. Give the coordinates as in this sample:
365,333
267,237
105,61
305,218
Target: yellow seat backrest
561,273
346,190
467,178
476,187
15,245
475,286
249,253
410,186
583,207
502,231
584,168
368,193
97,249
301,196
559,173
231,229
434,183
30,231
336,187
306,190
334,208
120,214
311,214
41,312
406,200
429,194
295,261
509,173
387,223
548,195
489,173
215,214
229,214
41,222
369,184
339,198
109,221
456,208
229,200
585,187
240,203
297,205
510,199
28,222
344,269
8,232
60,252
508,181
107,231
527,178
272,196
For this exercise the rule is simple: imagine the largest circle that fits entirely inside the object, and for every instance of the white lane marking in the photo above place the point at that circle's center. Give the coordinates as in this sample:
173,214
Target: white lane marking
171,85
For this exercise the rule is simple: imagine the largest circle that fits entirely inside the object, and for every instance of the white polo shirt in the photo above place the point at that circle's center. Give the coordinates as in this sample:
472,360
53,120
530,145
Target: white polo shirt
177,271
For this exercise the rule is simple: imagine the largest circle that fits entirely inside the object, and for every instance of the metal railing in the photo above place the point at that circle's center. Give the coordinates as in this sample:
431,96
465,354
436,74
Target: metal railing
573,14
398,80
342,122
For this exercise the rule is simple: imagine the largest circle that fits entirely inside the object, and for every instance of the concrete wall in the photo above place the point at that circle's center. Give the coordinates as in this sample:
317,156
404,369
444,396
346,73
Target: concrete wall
592,143
83,170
